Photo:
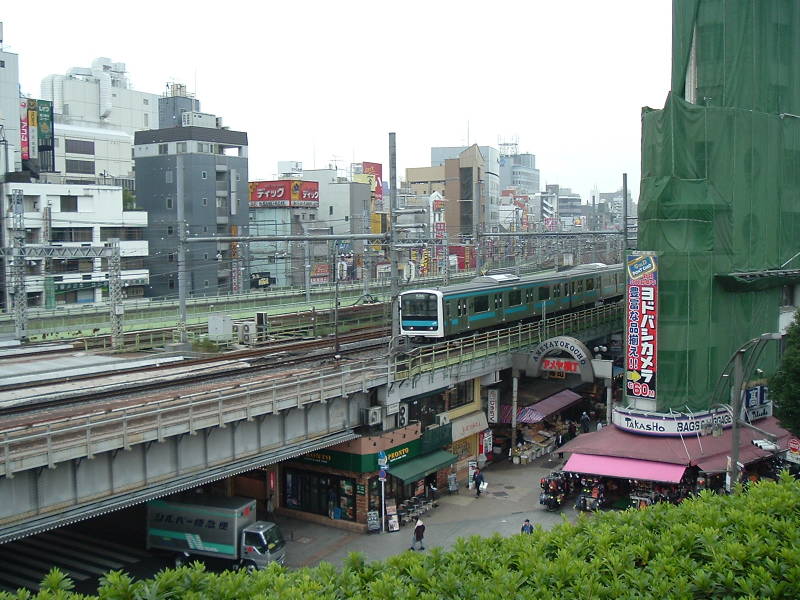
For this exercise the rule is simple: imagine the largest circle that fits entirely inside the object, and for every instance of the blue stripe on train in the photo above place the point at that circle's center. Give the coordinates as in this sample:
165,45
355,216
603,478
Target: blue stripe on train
486,315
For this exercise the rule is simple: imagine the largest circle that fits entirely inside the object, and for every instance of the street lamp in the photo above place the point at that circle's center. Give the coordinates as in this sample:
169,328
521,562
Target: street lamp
735,408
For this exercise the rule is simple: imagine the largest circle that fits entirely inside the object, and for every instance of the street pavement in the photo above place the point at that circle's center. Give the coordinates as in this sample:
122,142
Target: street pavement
512,496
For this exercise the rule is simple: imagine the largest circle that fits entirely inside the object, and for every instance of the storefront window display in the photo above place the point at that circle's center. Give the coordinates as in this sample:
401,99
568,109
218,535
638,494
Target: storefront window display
320,494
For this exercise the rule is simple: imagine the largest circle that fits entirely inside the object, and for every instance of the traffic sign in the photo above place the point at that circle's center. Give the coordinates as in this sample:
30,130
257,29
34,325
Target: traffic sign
382,475
382,459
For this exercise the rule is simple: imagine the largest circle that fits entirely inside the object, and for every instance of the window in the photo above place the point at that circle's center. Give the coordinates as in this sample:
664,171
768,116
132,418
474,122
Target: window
146,101
69,204
205,283
544,292
171,257
481,304
146,119
170,230
79,146
2,64
84,167
169,203
330,210
557,290
205,202
163,148
346,218
205,228
204,174
514,297
168,176
589,284
181,147
71,234
172,284
205,255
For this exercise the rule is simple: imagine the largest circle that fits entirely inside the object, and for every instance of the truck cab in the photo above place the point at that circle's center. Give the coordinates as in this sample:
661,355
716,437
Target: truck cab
261,544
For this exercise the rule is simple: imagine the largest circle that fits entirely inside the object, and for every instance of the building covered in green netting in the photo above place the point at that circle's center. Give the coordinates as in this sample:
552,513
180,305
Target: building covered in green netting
720,192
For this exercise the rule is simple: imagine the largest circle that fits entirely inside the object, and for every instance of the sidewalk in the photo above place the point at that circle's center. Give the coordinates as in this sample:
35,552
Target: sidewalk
512,497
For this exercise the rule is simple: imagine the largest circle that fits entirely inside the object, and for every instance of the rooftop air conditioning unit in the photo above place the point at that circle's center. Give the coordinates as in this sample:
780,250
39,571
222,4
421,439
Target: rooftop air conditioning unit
442,419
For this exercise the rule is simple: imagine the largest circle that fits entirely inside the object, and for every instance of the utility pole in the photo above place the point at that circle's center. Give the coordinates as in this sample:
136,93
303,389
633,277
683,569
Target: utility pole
624,213
394,275
117,310
736,407
181,225
18,270
307,277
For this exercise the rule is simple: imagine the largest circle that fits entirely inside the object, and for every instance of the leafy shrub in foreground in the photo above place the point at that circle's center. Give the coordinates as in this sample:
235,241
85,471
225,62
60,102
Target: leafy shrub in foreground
742,546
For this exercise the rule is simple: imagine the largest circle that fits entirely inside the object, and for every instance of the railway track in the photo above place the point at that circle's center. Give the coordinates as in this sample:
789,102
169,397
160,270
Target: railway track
277,357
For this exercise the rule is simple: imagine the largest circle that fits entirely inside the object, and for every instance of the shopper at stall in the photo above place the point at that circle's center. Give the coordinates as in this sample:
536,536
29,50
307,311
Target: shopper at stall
418,535
478,480
526,527
585,422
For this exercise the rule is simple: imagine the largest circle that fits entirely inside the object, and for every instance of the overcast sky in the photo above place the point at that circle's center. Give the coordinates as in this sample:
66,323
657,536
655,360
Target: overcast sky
325,82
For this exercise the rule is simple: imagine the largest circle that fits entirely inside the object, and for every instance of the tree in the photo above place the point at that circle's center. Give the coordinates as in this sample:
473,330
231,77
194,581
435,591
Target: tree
784,386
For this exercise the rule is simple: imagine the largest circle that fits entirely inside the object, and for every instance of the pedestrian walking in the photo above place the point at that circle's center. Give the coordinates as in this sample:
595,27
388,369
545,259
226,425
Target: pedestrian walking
526,527
418,535
585,421
477,479
572,429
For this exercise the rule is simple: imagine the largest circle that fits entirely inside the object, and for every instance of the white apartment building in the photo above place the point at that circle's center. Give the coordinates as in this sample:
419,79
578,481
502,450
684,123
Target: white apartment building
96,114
74,216
9,111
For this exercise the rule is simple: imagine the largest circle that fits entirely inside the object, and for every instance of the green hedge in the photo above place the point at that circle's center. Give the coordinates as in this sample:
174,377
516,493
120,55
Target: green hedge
741,546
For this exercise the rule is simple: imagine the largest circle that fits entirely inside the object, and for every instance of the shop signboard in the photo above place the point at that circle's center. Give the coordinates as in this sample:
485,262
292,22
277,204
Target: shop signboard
565,365
24,142
285,193
375,173
469,425
641,325
680,424
440,230
492,401
471,468
488,441
793,453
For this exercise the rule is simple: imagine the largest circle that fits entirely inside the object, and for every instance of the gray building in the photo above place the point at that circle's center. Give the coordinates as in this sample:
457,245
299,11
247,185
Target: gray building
518,171
201,172
172,106
9,110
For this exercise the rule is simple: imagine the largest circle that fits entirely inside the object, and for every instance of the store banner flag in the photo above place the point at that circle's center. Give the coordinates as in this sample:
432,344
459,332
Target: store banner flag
641,325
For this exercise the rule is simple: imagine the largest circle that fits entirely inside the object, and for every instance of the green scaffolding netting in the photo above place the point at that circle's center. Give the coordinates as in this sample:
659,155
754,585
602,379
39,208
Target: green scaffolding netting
720,189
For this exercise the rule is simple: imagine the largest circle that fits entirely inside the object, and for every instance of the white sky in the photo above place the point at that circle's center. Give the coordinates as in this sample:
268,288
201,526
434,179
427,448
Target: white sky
323,81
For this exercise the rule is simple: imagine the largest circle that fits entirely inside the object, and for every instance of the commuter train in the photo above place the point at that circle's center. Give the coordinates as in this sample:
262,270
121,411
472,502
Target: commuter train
496,300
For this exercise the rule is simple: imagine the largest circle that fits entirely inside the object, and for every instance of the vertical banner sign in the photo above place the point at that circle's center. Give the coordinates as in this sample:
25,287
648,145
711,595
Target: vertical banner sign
24,143
33,129
641,325
491,405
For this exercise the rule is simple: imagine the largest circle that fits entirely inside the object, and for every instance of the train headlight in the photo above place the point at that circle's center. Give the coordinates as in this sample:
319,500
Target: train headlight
431,328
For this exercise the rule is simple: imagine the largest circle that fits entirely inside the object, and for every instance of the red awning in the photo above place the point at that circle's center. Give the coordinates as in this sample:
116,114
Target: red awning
542,409
626,468
708,452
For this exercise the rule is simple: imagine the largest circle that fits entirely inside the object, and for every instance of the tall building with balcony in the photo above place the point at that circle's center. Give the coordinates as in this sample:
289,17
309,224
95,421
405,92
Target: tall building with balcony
518,171
73,216
201,174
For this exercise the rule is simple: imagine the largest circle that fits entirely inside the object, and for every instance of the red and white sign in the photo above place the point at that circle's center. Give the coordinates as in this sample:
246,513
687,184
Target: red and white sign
793,455
24,142
440,230
550,223
567,365
284,193
641,326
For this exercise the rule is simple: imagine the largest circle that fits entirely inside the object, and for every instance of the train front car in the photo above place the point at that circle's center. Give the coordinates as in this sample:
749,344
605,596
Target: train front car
421,314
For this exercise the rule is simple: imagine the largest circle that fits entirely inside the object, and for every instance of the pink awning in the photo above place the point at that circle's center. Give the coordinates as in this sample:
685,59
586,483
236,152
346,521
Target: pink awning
626,468
542,409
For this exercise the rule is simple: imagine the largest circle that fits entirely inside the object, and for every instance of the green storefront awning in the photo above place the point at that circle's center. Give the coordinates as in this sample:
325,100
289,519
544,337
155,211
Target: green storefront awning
417,468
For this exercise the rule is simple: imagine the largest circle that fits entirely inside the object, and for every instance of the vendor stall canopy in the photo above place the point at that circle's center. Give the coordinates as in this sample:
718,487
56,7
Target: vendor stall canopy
720,188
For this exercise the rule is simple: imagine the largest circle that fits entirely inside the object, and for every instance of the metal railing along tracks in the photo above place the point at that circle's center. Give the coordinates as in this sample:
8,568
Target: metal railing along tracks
76,437
482,345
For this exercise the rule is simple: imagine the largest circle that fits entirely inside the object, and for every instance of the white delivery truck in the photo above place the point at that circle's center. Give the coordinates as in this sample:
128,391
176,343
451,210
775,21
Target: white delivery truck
215,526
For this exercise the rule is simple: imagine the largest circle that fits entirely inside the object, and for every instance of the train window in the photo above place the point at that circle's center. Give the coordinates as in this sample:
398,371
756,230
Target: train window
597,283
544,292
589,284
557,290
514,297
579,286
419,305
481,303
